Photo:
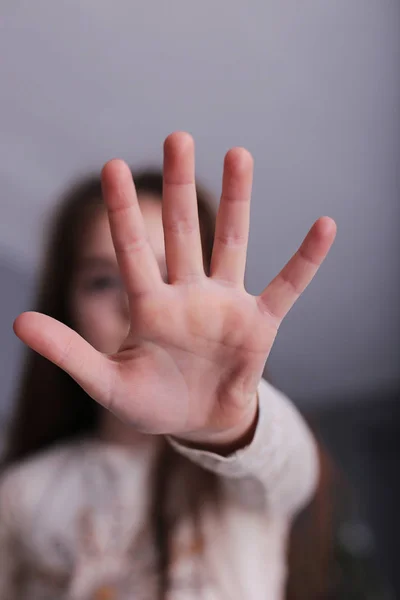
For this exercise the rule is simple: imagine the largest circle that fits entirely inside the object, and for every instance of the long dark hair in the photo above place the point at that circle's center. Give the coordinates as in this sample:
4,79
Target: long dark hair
52,408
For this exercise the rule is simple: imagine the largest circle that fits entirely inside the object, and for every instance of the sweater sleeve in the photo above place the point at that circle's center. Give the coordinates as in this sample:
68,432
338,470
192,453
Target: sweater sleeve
8,547
282,456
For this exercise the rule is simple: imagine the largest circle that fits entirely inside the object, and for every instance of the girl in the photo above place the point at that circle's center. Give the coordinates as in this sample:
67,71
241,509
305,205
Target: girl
149,458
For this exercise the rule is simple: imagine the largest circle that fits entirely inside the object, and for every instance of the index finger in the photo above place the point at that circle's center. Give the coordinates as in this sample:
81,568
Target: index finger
137,262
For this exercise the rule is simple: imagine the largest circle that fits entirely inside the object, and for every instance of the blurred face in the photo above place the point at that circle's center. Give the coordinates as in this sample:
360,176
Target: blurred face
99,304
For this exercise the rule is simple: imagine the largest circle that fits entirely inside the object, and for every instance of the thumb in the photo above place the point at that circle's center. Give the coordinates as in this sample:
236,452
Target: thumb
69,351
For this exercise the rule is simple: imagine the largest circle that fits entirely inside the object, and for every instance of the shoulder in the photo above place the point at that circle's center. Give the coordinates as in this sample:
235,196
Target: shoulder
23,484
41,464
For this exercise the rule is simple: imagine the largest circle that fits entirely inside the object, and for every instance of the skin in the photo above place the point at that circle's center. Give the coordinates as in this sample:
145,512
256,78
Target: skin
194,348
99,303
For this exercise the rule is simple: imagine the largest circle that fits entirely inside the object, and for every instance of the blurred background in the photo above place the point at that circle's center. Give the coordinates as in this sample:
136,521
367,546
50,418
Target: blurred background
312,89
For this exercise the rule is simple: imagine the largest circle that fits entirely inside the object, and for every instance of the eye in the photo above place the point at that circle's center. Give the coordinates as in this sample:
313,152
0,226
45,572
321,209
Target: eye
102,283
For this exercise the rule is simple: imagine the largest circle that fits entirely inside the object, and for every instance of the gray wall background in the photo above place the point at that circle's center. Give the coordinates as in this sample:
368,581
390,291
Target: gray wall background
311,88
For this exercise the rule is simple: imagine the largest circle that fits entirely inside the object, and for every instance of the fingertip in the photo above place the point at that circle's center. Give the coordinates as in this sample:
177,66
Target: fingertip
238,159
179,164
178,141
19,323
116,167
25,323
326,227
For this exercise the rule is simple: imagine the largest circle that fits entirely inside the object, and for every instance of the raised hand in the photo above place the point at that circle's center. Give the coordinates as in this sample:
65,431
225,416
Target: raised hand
197,345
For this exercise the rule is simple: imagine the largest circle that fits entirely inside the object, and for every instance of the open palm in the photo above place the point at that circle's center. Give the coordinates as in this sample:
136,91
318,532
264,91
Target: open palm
197,345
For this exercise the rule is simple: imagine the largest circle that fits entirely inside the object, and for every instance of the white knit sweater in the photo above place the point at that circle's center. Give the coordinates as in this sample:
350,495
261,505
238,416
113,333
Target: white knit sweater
74,522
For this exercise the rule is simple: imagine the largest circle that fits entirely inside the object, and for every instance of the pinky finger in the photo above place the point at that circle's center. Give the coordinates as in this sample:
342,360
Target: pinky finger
283,291
69,351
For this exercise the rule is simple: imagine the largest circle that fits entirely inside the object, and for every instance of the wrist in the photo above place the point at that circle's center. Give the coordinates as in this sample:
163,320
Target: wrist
229,441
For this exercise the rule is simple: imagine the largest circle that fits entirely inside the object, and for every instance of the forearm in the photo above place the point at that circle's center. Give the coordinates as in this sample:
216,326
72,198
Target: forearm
281,454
